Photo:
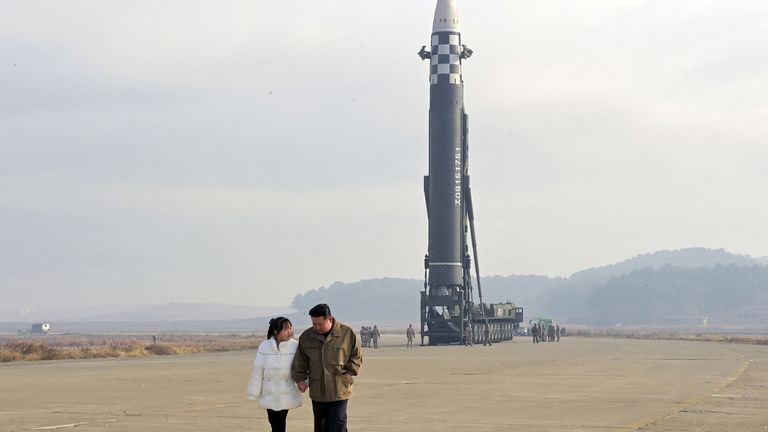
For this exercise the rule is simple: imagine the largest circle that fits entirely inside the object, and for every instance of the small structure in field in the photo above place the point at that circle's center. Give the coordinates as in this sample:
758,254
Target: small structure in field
42,328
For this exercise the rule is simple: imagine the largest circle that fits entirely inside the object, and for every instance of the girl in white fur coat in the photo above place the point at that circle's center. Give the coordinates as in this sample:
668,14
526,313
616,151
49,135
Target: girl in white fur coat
271,381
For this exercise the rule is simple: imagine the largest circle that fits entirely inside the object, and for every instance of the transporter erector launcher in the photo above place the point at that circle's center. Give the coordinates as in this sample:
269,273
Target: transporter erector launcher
447,303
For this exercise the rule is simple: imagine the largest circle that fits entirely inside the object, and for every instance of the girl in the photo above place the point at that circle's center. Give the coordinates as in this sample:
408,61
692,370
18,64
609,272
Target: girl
271,379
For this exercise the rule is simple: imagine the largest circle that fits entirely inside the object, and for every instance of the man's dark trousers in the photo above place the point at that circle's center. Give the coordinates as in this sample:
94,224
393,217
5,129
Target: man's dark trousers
330,416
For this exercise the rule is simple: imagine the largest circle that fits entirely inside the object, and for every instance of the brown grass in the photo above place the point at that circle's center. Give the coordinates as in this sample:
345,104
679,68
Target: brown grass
66,347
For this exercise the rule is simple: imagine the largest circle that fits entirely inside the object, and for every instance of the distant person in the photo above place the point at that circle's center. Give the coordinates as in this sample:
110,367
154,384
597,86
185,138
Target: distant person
375,335
364,336
551,334
535,333
487,334
468,334
271,380
327,358
410,333
557,332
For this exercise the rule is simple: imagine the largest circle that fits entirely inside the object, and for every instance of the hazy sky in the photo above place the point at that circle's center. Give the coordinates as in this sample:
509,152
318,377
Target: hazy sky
243,151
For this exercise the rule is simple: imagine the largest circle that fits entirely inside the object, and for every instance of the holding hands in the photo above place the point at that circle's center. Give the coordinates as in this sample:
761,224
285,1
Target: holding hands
302,385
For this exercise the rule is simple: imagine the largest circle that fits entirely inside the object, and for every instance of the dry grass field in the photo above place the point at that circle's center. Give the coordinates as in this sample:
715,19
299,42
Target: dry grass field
71,347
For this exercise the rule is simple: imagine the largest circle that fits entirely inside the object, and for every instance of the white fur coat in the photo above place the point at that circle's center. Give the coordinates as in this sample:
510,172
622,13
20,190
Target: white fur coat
271,379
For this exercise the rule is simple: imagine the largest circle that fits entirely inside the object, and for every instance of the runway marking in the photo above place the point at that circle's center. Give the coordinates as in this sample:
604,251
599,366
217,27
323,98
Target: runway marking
70,425
686,405
748,397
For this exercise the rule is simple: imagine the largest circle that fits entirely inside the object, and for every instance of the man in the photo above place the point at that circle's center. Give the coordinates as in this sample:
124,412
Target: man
328,357
367,338
410,333
487,334
375,335
468,334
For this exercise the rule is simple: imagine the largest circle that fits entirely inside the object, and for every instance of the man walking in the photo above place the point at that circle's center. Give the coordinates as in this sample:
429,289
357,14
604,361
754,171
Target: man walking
487,334
376,336
328,356
410,334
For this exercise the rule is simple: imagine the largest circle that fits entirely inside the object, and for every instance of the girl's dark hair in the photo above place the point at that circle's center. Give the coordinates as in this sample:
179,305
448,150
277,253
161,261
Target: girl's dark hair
276,325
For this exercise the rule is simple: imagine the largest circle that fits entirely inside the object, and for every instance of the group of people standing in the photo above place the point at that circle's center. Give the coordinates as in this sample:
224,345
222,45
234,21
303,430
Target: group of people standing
540,334
370,335
323,361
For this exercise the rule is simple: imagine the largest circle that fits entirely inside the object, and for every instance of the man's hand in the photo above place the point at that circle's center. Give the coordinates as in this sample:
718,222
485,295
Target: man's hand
302,385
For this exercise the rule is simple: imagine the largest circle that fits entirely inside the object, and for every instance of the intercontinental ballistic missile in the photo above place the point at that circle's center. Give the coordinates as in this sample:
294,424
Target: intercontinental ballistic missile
447,302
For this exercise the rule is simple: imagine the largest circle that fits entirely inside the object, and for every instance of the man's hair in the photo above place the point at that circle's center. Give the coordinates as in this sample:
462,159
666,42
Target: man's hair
321,310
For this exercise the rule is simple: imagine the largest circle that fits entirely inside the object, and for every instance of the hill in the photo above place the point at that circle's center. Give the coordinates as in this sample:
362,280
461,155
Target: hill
688,257
677,295
383,300
664,287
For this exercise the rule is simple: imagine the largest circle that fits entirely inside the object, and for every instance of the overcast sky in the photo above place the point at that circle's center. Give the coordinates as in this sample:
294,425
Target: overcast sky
244,151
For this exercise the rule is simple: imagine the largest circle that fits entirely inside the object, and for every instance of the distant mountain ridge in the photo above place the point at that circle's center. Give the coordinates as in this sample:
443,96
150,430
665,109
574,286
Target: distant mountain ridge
580,297
663,286
688,257
725,294
384,299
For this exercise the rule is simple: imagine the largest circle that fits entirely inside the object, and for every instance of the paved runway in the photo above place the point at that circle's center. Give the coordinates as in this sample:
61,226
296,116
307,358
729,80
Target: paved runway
579,384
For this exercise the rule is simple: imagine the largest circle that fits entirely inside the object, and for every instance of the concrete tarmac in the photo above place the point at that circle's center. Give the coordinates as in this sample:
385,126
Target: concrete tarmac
579,384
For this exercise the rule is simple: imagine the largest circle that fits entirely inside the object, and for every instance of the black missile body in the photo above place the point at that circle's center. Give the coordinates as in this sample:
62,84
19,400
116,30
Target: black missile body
447,302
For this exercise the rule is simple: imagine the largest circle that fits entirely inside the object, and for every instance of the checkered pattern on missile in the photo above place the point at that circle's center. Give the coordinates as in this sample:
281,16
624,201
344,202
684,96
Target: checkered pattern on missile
445,66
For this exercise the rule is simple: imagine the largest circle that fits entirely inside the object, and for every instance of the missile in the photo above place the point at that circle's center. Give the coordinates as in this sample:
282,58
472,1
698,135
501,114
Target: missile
446,185
448,309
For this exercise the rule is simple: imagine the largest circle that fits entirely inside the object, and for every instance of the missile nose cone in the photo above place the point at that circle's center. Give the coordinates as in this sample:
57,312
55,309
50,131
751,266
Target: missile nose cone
446,17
